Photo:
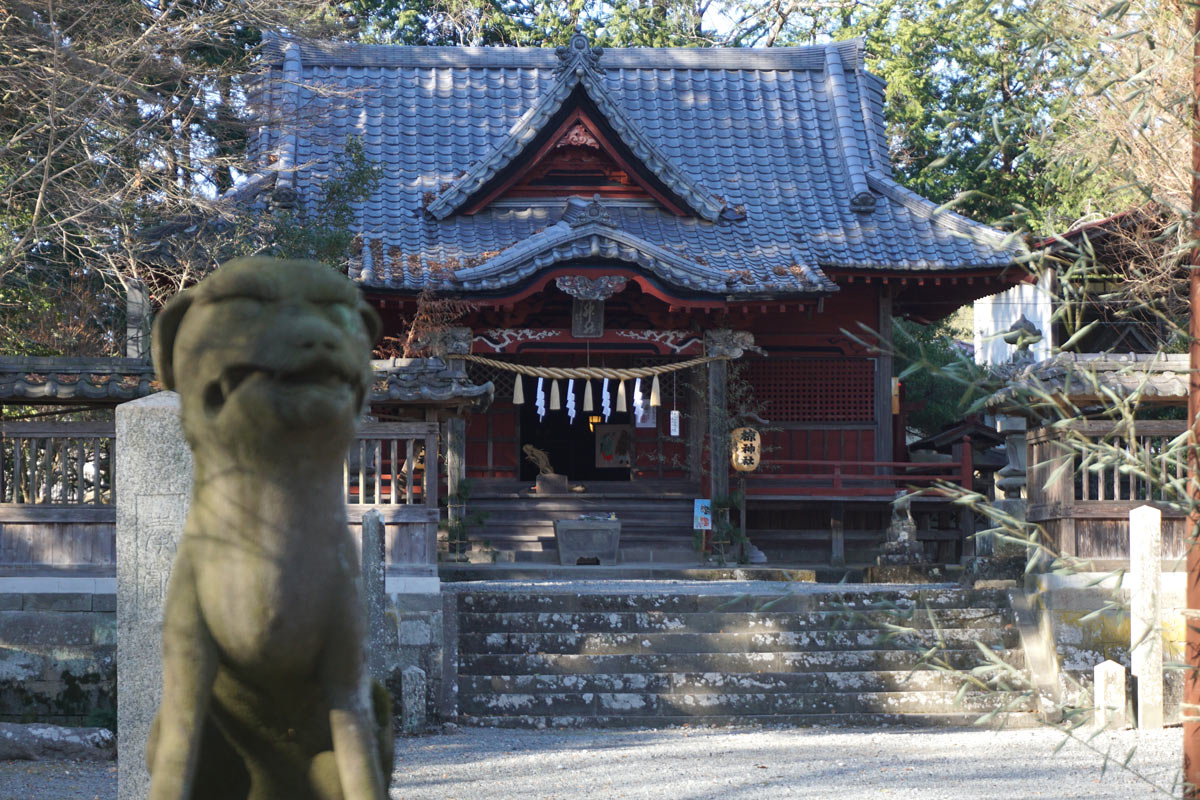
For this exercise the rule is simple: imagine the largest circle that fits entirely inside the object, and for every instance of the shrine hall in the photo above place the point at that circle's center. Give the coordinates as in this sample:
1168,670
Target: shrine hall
657,246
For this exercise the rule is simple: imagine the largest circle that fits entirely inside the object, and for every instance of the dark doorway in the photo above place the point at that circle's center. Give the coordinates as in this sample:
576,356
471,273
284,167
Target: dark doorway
571,445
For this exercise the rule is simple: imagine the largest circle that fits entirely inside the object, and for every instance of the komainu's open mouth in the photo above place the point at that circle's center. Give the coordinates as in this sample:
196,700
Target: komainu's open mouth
318,373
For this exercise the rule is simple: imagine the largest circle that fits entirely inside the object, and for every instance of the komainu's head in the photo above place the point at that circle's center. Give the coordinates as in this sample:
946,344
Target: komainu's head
266,353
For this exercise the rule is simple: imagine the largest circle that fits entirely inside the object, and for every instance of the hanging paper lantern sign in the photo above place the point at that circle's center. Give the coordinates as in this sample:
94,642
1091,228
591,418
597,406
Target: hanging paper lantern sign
676,421
745,449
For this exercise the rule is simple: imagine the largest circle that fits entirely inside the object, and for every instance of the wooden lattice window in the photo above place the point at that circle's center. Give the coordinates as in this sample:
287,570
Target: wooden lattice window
815,390
502,379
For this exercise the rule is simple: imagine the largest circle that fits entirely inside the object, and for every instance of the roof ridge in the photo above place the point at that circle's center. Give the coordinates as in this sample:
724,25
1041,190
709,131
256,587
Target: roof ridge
940,215
328,52
835,80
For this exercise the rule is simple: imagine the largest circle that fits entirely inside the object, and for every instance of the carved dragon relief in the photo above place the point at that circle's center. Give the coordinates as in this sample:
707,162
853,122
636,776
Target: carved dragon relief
728,343
501,338
675,341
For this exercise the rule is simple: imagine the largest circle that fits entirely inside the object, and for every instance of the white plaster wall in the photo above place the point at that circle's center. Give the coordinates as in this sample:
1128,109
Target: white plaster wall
994,315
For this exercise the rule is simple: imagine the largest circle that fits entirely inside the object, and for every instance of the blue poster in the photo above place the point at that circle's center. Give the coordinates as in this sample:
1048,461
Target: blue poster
702,515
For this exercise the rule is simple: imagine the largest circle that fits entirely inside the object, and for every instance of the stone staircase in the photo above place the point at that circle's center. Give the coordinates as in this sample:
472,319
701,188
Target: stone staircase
820,656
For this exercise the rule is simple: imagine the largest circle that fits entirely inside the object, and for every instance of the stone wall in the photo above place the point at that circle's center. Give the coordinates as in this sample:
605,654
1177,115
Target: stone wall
58,658
1089,616
420,628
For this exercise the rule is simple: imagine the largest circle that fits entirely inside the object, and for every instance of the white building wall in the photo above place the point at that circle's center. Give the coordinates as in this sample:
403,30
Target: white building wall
995,315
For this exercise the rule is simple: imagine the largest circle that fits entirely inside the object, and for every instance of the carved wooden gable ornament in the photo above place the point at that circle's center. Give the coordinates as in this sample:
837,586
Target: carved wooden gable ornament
578,158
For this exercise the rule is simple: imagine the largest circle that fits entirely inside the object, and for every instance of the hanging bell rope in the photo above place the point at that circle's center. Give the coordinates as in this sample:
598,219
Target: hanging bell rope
582,373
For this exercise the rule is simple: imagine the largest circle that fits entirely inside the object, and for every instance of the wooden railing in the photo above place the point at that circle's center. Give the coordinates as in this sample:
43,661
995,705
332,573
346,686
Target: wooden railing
57,493
801,477
392,468
386,464
64,464
1085,476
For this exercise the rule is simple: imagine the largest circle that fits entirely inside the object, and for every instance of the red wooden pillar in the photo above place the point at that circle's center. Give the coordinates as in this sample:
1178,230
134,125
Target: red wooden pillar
1191,682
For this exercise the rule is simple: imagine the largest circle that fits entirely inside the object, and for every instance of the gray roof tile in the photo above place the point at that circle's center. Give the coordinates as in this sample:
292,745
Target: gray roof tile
778,132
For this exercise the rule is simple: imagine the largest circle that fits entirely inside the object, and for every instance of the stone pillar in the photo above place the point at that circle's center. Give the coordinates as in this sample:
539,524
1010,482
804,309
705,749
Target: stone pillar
137,320
153,488
381,640
837,535
412,700
1145,629
1108,696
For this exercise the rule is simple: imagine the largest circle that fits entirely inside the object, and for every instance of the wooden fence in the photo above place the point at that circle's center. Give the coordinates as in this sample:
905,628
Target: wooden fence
1085,476
56,463
57,493
800,478
392,468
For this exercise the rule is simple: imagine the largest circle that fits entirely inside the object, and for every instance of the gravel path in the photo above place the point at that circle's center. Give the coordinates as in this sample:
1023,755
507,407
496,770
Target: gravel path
730,764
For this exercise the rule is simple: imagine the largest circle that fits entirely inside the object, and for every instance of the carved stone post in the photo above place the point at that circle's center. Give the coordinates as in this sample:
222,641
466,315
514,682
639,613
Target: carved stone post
154,489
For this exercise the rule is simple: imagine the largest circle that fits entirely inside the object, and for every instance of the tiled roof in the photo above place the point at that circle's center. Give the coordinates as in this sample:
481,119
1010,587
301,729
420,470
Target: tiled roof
83,381
779,154
1082,377
109,381
428,382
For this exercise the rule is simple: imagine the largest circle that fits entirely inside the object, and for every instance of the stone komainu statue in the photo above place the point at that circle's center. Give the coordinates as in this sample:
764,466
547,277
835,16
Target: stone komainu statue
265,695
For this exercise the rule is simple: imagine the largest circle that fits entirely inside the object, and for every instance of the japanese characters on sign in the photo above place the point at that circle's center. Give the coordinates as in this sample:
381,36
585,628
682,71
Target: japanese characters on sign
702,515
745,449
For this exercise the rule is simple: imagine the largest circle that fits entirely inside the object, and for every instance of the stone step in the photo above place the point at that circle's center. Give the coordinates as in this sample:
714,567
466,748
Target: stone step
740,703
937,597
729,622
716,662
769,642
580,503
861,720
723,682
